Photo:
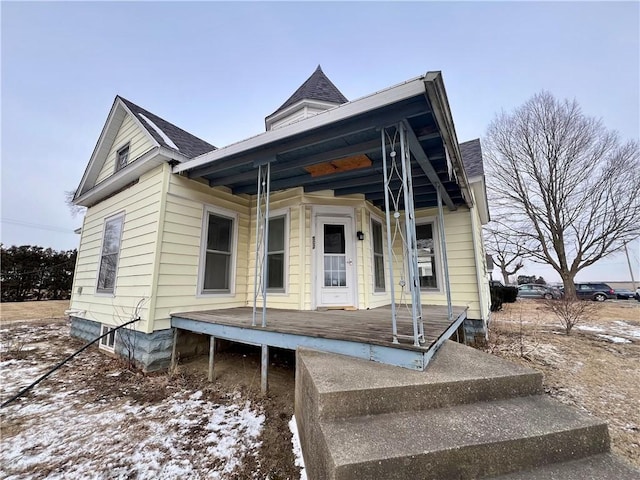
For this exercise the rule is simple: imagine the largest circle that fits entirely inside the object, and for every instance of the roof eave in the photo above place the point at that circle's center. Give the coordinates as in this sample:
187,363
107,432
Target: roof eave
397,93
147,162
437,96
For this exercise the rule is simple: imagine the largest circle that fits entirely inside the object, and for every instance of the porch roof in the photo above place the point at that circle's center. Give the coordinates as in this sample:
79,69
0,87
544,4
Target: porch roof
348,130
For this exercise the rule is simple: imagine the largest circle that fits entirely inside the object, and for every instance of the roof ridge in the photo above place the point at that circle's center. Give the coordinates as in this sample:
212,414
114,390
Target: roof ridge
186,143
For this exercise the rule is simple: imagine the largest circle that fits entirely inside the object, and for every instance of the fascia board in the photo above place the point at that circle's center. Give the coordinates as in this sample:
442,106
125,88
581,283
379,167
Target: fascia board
131,172
408,89
98,157
437,96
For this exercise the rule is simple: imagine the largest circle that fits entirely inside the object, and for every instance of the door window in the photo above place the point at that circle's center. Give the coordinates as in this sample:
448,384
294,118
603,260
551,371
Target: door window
335,267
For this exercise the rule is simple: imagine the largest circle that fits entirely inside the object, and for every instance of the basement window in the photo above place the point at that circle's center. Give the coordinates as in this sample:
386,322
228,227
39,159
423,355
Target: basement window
108,343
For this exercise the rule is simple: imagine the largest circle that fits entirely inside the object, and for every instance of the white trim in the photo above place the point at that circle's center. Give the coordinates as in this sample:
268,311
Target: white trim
377,219
329,212
396,93
283,212
233,216
118,113
115,216
134,170
437,254
105,346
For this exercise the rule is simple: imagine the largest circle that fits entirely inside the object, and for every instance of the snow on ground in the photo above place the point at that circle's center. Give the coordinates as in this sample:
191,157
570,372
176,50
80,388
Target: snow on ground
616,332
71,428
297,448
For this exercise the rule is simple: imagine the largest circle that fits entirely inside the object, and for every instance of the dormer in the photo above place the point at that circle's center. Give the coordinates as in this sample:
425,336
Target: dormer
315,95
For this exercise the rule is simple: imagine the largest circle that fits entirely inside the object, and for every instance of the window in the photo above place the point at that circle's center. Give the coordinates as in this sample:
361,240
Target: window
378,256
122,158
110,253
108,342
276,253
218,253
426,256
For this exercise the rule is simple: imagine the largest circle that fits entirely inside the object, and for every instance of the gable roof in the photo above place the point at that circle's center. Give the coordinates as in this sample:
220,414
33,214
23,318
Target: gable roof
316,87
471,152
174,137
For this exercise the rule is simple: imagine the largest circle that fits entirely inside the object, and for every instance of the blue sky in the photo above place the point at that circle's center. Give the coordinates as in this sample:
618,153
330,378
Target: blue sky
217,69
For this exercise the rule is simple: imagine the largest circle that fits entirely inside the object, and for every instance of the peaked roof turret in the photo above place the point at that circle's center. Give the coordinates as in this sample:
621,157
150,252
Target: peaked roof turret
316,87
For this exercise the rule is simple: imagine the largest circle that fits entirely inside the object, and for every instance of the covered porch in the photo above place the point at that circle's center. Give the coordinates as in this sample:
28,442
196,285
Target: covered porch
363,334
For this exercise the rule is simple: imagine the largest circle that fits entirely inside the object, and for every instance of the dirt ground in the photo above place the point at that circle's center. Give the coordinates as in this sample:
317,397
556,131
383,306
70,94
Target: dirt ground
596,368
237,381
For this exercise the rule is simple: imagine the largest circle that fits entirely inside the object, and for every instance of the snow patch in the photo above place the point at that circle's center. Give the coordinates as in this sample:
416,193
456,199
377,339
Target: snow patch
590,328
614,339
159,131
297,448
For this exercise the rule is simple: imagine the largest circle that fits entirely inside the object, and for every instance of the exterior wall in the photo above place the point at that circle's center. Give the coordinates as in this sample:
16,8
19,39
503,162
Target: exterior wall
140,204
289,202
129,133
180,246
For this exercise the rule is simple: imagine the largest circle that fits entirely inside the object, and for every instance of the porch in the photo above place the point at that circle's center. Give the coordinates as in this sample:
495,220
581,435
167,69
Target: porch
364,334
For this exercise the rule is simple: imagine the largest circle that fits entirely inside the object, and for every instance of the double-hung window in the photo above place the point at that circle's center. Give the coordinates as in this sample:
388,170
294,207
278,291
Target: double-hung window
122,158
378,256
276,253
218,253
427,256
111,240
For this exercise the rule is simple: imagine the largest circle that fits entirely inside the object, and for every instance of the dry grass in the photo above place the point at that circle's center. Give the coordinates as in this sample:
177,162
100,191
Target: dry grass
596,368
17,311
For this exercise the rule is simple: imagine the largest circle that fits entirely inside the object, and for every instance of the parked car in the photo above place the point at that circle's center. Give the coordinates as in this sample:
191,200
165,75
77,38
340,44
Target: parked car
598,292
624,294
495,283
534,290
638,294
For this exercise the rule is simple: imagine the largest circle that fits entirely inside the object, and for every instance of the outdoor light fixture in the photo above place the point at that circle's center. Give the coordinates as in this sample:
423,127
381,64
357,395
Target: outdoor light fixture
360,235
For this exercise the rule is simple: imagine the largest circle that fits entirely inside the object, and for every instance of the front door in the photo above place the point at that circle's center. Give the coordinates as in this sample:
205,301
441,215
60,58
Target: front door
335,262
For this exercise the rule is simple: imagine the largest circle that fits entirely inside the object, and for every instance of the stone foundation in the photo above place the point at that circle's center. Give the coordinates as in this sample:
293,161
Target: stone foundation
150,351
475,331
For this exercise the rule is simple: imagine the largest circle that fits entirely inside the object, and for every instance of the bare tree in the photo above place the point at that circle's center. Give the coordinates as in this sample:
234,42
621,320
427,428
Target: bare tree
73,208
506,250
569,311
568,186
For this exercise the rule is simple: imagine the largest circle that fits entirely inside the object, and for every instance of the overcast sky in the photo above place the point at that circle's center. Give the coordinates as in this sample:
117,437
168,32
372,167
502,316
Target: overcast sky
217,69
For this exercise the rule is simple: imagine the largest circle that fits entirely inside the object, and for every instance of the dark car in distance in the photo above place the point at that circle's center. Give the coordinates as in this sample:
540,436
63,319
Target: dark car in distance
598,292
624,294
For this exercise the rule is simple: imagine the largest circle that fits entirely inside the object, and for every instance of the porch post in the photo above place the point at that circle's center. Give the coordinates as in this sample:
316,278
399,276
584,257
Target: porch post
387,213
264,368
410,239
212,352
260,276
445,261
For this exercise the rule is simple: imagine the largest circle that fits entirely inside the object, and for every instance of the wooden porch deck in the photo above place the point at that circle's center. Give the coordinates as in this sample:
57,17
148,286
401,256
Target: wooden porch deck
359,333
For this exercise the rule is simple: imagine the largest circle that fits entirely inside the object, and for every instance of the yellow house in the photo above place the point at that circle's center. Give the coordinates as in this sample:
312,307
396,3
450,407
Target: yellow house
360,220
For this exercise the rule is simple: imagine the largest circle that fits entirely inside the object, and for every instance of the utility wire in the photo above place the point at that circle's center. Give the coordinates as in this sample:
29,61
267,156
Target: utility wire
38,226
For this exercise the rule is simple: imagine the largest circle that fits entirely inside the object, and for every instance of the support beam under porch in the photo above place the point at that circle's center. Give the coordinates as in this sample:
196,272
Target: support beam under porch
361,334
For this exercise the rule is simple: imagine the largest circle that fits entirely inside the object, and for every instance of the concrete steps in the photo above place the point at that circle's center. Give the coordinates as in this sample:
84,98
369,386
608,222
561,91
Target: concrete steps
470,415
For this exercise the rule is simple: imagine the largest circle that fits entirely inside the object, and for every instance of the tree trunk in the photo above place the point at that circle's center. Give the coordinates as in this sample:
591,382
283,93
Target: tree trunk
505,276
569,285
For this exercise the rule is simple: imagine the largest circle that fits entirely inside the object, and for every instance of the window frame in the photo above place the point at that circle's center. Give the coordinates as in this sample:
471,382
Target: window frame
126,146
373,219
106,292
233,216
283,212
437,256
107,343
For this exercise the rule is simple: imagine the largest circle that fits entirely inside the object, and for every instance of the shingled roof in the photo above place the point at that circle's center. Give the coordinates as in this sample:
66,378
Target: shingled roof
176,138
316,87
472,158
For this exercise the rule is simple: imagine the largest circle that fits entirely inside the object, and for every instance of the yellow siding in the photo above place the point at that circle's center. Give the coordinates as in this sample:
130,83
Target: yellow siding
180,243
136,137
141,206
